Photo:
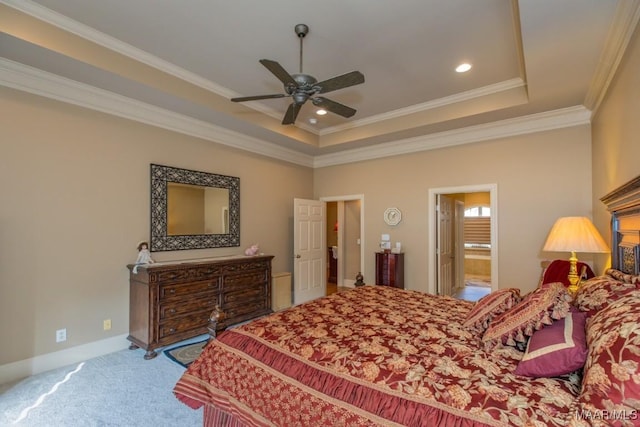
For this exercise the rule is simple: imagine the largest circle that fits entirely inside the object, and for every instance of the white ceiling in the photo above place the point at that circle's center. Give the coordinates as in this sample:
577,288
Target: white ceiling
529,57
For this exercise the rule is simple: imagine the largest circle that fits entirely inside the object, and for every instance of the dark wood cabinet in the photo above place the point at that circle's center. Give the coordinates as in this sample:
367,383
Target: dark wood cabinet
170,302
333,267
390,269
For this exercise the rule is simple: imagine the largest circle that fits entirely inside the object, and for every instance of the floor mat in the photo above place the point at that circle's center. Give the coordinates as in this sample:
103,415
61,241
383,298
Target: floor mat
186,354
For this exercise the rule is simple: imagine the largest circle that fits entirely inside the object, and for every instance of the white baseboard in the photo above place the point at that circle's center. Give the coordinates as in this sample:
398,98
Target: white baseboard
23,368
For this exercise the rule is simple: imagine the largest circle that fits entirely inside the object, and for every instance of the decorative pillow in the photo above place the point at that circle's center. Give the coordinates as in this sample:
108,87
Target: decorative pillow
596,293
557,349
490,306
538,308
623,277
611,380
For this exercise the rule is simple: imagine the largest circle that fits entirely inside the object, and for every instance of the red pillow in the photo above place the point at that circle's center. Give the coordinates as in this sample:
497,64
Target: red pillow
557,349
490,306
597,293
611,377
538,308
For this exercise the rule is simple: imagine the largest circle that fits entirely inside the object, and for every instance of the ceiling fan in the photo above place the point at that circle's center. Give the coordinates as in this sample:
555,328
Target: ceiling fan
302,87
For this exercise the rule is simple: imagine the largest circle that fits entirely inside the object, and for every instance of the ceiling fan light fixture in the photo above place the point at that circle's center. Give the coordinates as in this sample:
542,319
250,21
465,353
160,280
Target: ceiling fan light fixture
463,68
301,87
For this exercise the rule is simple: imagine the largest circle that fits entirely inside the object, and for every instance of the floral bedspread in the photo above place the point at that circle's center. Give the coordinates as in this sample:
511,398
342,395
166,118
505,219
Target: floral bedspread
371,356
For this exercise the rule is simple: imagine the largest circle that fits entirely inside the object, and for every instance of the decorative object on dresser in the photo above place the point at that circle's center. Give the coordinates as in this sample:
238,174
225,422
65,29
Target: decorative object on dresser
170,302
252,250
144,256
390,269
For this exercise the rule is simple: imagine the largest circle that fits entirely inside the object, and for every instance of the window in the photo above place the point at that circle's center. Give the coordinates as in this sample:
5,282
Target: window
477,227
477,211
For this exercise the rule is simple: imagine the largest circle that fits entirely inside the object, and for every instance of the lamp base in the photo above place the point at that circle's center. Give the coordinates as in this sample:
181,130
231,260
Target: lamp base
574,279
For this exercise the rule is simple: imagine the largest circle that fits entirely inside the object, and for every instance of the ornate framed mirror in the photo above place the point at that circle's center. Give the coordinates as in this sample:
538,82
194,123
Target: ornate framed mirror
193,209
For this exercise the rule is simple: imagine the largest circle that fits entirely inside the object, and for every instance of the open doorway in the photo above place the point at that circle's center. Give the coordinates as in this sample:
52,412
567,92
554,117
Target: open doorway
344,241
463,247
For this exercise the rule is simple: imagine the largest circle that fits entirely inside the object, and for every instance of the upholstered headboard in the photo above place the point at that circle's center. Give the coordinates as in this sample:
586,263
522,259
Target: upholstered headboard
624,205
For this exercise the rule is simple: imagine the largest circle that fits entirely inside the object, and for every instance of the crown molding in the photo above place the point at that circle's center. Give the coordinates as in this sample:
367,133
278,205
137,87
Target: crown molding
74,27
430,105
624,23
566,117
21,77
84,31
32,80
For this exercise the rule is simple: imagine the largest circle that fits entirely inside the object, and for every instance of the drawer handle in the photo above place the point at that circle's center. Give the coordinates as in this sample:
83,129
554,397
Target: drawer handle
172,330
173,310
172,291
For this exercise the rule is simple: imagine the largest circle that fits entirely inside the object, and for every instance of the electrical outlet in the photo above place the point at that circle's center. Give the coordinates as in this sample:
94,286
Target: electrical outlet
61,335
106,324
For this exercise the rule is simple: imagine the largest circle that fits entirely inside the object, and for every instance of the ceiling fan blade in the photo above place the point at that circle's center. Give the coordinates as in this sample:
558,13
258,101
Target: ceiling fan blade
291,114
350,79
333,106
256,97
279,72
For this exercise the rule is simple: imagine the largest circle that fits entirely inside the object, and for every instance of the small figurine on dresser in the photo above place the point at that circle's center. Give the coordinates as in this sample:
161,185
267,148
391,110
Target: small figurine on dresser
144,256
252,250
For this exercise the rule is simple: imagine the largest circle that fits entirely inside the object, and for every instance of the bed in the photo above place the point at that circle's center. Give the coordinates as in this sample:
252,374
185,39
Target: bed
381,356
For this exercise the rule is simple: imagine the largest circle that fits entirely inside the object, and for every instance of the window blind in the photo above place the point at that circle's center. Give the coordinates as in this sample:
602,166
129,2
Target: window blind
477,230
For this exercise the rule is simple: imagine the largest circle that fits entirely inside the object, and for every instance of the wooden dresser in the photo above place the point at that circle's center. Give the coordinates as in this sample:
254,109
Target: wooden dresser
390,269
170,302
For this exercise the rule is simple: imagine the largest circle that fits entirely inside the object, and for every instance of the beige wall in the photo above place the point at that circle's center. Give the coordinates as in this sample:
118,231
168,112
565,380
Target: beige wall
616,137
540,177
75,202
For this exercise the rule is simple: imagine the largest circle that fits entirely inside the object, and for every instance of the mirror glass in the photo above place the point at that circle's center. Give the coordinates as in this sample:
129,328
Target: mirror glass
193,210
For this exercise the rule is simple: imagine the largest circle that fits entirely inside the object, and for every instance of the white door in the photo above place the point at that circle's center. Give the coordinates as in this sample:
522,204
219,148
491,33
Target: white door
309,265
445,250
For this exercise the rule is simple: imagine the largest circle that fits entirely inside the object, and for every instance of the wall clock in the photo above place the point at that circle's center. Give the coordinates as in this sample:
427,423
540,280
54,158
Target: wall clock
392,216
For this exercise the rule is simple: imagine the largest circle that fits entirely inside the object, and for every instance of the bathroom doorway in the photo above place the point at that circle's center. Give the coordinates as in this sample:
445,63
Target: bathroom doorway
463,248
344,241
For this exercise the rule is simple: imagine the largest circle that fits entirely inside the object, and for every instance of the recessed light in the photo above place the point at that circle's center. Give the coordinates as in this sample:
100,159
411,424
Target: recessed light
463,68
313,120
321,112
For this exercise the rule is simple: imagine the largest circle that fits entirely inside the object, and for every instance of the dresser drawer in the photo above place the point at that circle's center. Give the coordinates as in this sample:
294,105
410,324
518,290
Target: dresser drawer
243,296
206,301
236,312
244,280
185,274
187,289
185,323
260,265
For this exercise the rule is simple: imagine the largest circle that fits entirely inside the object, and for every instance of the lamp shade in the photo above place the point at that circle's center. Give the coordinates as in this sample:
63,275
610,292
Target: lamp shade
574,234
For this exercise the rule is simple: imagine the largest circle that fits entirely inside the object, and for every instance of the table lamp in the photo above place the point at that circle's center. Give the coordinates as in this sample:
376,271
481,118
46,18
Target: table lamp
574,234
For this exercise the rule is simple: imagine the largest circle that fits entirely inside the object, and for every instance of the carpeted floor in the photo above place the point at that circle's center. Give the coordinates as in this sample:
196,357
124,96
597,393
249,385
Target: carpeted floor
119,389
